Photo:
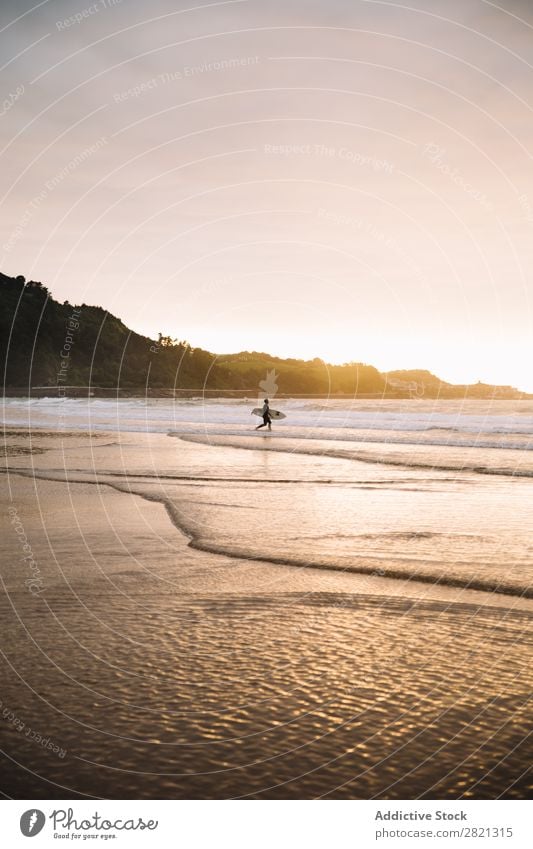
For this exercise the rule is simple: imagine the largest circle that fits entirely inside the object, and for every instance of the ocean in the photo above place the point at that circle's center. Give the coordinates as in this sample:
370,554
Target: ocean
431,490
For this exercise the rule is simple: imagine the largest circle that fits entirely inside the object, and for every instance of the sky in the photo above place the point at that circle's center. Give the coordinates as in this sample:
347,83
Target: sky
343,179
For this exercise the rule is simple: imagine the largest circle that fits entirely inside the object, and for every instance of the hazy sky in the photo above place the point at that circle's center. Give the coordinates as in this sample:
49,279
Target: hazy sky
348,179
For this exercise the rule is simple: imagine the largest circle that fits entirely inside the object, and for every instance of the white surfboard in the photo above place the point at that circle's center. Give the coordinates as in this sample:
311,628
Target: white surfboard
274,414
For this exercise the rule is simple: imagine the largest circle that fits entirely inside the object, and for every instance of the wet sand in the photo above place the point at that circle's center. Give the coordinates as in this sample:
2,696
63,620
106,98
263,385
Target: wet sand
157,670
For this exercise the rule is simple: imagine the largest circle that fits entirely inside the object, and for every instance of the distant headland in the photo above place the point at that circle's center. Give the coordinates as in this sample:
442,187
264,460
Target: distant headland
48,348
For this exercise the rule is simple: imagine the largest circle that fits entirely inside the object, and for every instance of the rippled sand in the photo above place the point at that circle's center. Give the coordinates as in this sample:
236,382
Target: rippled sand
161,670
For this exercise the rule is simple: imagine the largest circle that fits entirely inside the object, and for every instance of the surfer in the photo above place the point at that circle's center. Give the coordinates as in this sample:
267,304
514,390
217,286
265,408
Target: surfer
265,412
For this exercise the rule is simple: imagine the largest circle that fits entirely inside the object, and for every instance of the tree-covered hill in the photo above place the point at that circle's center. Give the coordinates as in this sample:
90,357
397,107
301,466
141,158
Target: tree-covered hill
302,376
44,343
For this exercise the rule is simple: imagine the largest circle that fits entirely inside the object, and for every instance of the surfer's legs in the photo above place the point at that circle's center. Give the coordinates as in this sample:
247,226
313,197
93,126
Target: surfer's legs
266,421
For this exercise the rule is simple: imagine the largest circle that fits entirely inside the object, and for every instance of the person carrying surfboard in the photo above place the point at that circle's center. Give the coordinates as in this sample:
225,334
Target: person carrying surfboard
265,412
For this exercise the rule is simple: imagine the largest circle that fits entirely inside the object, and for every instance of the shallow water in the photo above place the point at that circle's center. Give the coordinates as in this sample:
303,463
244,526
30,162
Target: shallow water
322,490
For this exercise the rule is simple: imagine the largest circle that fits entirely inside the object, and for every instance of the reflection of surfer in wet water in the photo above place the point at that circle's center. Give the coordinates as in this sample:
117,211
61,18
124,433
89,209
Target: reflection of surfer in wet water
265,412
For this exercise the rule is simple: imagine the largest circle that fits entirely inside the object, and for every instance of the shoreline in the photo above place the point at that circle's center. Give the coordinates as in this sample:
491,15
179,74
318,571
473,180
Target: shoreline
394,581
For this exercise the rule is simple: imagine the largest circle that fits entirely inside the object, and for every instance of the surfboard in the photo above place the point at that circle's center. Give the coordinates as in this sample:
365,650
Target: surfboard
274,414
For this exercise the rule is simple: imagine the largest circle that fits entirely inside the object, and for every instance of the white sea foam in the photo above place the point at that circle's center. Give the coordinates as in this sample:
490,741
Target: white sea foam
491,424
